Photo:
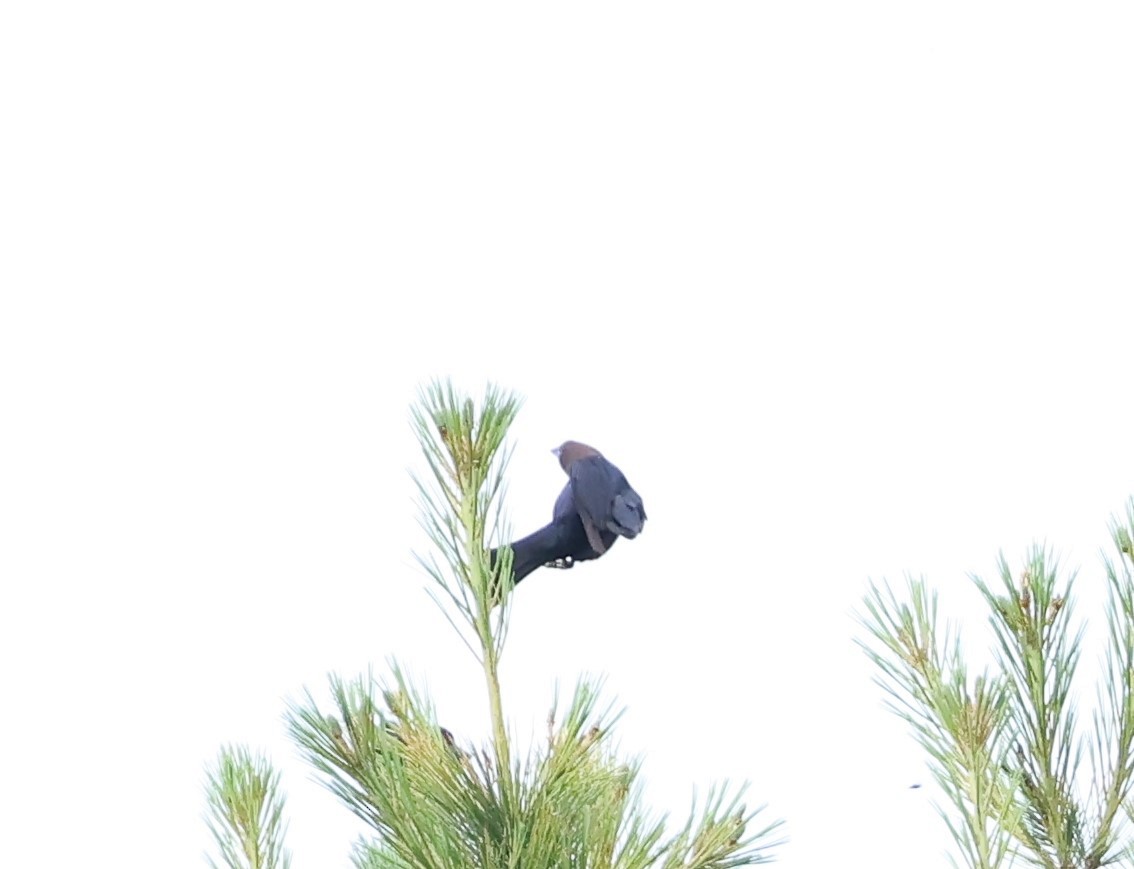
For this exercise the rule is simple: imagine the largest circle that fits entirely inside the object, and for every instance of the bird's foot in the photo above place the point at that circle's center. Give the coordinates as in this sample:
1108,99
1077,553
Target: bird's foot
565,563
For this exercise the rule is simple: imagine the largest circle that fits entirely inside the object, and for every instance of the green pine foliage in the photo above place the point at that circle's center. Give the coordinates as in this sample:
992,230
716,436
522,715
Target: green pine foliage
245,812
1026,776
435,803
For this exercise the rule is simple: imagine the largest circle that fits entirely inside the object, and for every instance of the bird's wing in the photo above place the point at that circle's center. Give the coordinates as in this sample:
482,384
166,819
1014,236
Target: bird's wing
565,506
595,482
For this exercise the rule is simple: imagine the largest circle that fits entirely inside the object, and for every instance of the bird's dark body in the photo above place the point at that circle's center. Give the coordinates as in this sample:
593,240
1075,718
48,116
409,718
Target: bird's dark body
595,508
604,501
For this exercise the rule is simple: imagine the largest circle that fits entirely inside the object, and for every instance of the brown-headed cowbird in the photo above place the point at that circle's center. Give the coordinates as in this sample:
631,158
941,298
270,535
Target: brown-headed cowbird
595,508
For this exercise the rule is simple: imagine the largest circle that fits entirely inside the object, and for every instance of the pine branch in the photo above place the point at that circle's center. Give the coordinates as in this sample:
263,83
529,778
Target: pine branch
1113,747
463,448
245,812
1039,654
1007,748
960,722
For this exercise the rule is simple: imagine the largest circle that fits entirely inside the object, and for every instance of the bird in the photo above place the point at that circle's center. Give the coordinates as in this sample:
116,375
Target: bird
594,509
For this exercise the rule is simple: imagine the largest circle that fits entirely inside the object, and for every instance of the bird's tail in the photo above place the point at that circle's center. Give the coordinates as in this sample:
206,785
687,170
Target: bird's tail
558,544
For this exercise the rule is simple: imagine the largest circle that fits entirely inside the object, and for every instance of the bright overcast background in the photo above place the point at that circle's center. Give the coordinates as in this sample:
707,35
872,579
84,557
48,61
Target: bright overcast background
846,289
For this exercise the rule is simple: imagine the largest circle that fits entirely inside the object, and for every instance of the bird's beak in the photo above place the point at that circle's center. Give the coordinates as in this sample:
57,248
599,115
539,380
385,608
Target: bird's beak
555,451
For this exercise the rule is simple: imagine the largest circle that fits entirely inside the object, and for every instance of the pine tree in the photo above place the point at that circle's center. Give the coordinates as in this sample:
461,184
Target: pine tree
429,801
1023,777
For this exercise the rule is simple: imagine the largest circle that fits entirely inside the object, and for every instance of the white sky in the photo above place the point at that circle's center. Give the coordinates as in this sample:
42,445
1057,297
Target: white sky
845,290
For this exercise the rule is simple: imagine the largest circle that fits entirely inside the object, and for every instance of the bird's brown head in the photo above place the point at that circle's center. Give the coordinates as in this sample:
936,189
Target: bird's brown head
570,452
